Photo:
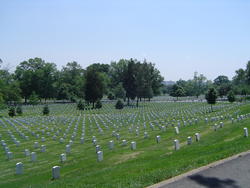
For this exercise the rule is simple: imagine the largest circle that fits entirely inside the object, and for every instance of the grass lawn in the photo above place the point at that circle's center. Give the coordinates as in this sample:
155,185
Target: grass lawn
150,163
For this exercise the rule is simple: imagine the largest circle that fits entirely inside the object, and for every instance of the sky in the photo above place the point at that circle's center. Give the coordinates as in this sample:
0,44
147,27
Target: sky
211,37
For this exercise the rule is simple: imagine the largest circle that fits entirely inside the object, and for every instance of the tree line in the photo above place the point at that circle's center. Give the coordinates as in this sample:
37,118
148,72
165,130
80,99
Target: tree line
35,79
199,85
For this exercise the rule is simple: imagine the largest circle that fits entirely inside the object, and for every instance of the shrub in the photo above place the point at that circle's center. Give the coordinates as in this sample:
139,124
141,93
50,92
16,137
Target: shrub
231,96
80,105
19,110
46,110
12,111
119,104
111,96
98,104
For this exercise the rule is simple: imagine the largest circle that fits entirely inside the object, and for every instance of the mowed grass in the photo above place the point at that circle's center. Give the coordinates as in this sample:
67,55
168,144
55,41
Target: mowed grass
121,167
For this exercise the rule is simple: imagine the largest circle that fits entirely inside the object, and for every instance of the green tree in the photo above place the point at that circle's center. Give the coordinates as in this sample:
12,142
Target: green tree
46,110
211,97
177,91
33,99
19,110
231,96
12,111
129,82
119,91
94,86
80,105
119,104
98,104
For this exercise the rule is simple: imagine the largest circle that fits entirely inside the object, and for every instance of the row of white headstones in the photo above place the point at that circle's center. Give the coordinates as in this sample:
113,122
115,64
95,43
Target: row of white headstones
56,169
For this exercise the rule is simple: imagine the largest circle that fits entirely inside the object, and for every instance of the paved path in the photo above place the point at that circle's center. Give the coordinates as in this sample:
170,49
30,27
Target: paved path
233,172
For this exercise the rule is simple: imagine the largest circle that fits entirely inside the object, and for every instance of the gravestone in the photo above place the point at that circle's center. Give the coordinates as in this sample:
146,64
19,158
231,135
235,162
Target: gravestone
176,144
26,152
36,145
245,132
124,142
63,157
68,148
133,145
97,148
176,130
33,156
56,172
189,140
82,140
111,144
99,156
43,148
197,137
19,168
145,134
9,155
158,138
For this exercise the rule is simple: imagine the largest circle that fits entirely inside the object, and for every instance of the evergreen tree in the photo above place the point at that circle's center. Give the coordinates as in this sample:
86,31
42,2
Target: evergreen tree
34,100
211,97
119,104
80,105
19,110
98,104
231,96
46,110
12,111
94,86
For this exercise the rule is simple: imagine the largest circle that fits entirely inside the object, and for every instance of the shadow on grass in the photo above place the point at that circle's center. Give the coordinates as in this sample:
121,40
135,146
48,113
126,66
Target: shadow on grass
212,182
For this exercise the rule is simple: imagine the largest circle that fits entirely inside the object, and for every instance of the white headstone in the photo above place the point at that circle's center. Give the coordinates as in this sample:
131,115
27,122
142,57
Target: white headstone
245,132
124,142
221,124
43,148
133,145
158,138
145,134
176,130
36,145
197,137
9,155
26,152
19,168
33,156
111,144
189,140
99,156
63,157
43,139
68,148
97,148
82,140
176,144
56,172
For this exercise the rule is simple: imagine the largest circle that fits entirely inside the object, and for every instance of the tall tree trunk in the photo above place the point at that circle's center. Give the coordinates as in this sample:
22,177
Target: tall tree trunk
128,101
212,107
25,100
137,102
93,105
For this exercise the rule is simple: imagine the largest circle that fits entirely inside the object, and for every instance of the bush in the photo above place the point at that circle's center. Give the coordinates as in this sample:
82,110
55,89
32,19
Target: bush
119,104
80,105
111,96
33,99
231,96
46,110
19,110
98,104
12,111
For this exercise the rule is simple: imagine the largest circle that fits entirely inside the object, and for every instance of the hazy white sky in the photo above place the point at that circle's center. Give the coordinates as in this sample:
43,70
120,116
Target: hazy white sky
180,37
